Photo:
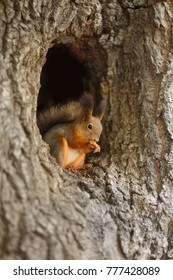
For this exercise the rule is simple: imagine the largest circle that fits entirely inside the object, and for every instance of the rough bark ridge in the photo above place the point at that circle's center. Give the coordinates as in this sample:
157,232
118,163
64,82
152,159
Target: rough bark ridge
123,207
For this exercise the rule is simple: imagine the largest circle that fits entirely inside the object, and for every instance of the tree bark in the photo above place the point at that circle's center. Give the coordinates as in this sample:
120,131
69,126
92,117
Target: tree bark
123,207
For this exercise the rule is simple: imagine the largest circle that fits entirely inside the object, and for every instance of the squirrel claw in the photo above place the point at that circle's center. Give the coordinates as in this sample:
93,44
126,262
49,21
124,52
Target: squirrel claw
79,169
97,150
94,147
87,165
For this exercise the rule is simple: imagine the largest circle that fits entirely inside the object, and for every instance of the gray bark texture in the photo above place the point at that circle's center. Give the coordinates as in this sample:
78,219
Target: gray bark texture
122,208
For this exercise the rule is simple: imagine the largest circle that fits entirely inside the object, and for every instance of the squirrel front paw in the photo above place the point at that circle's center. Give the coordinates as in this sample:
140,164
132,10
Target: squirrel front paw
94,147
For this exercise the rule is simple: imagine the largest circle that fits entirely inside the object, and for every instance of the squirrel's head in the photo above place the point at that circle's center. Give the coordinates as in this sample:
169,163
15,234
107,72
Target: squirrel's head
91,128
90,122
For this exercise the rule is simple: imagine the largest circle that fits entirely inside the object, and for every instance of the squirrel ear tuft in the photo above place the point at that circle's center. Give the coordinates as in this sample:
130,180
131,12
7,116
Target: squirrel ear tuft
100,109
87,103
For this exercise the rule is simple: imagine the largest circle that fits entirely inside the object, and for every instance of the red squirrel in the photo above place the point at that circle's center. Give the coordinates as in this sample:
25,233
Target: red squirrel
72,131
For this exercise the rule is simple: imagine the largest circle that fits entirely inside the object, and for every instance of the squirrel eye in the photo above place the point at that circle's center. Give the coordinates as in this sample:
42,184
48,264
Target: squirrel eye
90,126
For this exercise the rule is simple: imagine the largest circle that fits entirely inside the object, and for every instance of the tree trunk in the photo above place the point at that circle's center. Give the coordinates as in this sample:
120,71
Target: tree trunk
122,208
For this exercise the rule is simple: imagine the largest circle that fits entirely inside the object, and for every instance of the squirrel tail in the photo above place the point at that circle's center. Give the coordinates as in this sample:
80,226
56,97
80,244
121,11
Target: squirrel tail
65,113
